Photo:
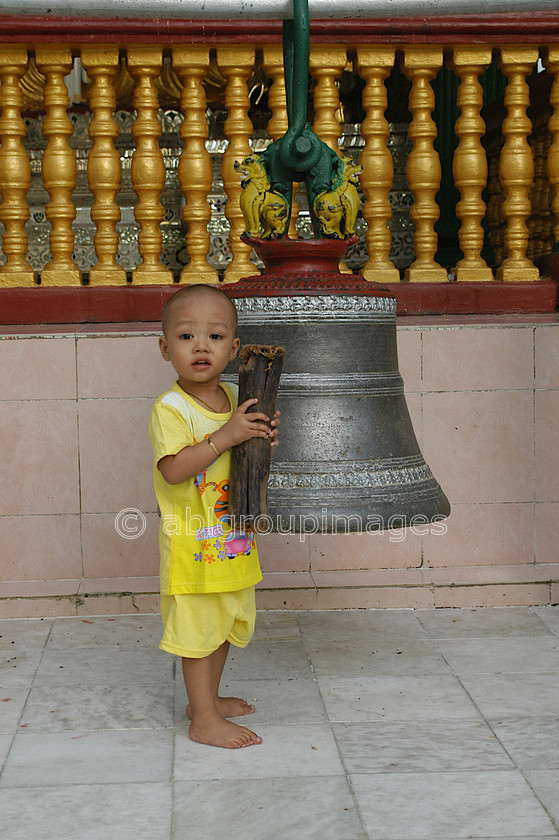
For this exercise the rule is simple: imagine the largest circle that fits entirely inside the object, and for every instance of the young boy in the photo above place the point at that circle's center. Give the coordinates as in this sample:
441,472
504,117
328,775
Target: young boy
208,572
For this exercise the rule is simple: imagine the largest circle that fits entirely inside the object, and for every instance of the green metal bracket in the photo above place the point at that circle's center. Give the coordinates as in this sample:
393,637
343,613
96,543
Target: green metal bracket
300,147
299,155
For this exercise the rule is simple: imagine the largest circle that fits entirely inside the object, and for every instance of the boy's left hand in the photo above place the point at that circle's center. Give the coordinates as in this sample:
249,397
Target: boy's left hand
275,423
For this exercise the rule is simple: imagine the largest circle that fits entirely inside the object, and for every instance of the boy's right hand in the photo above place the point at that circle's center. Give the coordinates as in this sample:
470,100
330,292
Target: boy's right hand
243,426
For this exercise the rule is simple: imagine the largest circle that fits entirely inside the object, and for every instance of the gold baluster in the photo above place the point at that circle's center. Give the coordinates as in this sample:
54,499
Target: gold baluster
278,123
423,167
470,162
546,243
326,64
15,170
59,169
236,65
32,86
495,198
195,168
374,65
531,221
103,165
517,165
148,167
537,195
273,67
551,60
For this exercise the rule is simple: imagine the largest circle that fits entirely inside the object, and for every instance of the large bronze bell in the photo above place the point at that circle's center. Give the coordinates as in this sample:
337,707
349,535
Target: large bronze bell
348,458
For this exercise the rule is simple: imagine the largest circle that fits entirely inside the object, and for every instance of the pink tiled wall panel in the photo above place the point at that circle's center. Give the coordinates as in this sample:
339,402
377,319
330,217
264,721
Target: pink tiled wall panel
115,455
39,466
481,444
121,367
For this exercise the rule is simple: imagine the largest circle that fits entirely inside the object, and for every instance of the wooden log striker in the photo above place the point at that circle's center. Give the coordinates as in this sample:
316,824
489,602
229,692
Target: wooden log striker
259,375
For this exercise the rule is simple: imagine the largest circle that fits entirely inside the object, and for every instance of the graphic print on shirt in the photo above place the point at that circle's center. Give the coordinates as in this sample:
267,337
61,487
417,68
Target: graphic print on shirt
236,542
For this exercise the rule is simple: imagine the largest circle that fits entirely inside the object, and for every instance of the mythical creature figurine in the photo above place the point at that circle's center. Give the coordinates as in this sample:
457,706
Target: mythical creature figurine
260,205
336,210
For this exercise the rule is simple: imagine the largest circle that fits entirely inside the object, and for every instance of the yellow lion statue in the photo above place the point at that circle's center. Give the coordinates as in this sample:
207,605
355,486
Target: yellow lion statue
261,206
336,210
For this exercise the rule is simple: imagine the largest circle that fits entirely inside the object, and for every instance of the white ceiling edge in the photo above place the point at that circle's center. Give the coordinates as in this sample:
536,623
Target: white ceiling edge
267,9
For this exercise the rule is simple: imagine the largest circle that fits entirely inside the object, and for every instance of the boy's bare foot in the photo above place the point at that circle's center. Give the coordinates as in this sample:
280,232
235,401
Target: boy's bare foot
219,732
229,707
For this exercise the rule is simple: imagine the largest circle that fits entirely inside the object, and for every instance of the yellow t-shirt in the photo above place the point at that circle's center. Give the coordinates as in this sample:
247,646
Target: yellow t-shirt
199,551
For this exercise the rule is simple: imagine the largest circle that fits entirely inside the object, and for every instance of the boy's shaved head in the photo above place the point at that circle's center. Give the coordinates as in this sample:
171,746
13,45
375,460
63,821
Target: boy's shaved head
189,293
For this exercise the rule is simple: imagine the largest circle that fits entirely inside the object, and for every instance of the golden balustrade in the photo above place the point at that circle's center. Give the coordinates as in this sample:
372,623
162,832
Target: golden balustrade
326,64
236,64
148,167
59,169
517,164
546,240
378,170
103,165
423,167
470,162
552,61
15,171
495,198
507,178
195,169
539,198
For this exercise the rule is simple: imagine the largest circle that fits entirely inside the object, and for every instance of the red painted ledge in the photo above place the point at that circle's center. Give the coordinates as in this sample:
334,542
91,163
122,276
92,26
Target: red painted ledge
491,298
127,304
525,27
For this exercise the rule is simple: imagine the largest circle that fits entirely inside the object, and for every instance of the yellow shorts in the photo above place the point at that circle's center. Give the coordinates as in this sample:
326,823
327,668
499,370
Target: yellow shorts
196,625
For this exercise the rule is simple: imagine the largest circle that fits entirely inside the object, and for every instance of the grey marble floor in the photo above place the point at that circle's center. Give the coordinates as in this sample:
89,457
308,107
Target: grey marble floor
392,725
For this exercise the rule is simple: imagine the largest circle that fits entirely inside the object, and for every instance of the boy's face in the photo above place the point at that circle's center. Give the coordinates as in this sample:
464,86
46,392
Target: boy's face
200,339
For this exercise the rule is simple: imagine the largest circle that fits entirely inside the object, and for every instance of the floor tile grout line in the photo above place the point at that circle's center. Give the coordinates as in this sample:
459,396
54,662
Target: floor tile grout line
8,751
502,745
347,775
476,705
31,683
554,822
485,636
62,785
81,731
551,630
